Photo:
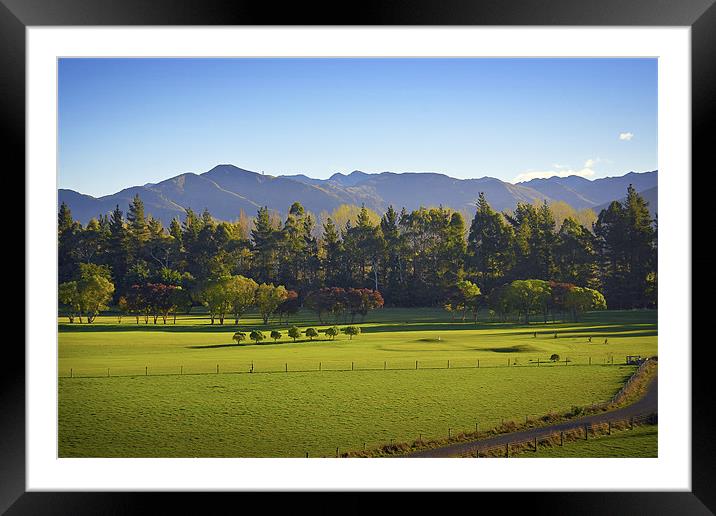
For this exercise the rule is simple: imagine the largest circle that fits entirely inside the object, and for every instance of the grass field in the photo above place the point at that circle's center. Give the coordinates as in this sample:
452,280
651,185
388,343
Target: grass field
642,441
279,414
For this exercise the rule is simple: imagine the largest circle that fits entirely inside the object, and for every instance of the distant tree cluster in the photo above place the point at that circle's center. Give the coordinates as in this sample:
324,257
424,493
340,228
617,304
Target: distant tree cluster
532,297
426,257
294,332
343,303
88,294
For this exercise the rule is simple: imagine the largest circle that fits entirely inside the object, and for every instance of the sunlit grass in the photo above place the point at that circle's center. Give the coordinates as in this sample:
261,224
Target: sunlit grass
280,414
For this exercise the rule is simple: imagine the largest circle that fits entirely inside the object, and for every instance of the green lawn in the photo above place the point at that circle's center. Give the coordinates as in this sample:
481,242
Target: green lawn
279,414
396,336
642,441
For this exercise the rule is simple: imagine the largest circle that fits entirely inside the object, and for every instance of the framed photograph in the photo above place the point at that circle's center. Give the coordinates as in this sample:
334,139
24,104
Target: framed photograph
299,252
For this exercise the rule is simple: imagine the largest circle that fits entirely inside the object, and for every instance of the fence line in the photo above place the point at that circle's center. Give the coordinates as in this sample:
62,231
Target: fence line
644,418
347,366
633,377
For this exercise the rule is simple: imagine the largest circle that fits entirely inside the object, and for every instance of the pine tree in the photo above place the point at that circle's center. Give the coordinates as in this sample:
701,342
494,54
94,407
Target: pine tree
332,249
118,247
627,252
575,255
67,233
490,245
264,237
137,227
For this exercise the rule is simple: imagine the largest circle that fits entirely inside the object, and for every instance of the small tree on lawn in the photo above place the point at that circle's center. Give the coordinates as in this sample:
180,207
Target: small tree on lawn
239,337
554,358
311,332
257,336
294,333
351,331
275,335
70,297
332,332
268,298
122,308
94,289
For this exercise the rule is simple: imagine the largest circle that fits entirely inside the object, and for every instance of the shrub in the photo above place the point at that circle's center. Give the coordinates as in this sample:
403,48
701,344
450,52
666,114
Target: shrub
554,358
332,332
294,332
239,336
351,331
311,332
275,335
257,335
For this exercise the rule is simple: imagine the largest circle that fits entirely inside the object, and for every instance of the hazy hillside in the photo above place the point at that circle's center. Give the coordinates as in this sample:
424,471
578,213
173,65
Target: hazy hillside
651,196
226,190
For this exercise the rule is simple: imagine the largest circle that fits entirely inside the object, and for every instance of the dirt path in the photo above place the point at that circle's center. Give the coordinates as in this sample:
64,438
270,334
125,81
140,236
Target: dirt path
646,405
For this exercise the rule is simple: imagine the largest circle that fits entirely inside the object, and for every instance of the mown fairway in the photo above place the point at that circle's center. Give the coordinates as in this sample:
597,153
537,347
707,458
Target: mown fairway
282,414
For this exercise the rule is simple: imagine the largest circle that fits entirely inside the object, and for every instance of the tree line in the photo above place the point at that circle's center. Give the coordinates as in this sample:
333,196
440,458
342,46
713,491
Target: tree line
412,258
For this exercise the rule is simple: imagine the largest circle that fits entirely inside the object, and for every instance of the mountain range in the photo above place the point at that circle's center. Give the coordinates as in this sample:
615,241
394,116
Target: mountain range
226,190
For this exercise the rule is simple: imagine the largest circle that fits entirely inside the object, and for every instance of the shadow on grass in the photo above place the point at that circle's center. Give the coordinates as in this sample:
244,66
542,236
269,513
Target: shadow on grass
600,325
262,344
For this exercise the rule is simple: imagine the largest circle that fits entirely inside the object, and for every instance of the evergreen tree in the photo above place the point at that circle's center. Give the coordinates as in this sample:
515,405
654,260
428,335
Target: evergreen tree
264,237
138,230
67,231
626,237
575,255
332,249
118,248
490,249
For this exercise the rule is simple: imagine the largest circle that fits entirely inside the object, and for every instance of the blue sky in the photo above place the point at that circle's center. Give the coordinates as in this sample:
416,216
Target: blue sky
125,122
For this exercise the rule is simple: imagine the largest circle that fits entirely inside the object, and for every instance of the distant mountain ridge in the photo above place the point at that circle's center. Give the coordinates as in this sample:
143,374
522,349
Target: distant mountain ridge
226,190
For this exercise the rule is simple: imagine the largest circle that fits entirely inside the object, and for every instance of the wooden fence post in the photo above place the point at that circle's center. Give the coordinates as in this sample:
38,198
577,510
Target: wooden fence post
609,431
416,364
336,451
561,438
448,364
217,368
181,369
385,365
586,432
507,450
146,370
287,367
319,366
449,433
351,366
108,371
535,445
590,360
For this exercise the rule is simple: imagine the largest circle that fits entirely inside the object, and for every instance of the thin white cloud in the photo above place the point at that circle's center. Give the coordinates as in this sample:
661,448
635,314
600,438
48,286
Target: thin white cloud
626,136
561,171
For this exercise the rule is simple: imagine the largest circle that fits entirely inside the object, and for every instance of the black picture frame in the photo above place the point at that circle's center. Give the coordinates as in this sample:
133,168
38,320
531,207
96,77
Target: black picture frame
16,15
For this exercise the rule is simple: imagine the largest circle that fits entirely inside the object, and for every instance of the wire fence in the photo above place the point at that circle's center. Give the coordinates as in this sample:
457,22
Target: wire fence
305,366
565,434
